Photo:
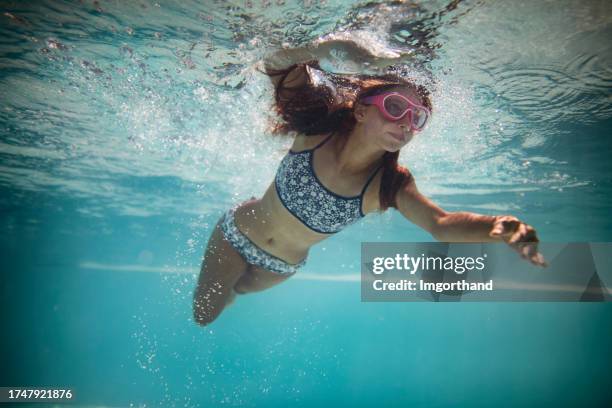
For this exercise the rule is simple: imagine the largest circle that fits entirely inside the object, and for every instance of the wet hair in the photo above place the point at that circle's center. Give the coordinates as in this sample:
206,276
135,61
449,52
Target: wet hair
325,103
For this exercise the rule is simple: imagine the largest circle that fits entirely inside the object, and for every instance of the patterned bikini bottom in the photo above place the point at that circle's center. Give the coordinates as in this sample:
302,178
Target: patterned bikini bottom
250,251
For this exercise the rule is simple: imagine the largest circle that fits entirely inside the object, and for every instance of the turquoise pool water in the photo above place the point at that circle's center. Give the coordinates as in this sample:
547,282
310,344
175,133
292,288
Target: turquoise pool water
127,128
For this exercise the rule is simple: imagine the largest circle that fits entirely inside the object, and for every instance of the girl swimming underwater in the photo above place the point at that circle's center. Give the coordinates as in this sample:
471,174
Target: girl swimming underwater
342,165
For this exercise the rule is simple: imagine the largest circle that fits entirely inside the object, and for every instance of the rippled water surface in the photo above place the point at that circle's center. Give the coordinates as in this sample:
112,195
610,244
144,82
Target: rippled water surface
126,128
521,95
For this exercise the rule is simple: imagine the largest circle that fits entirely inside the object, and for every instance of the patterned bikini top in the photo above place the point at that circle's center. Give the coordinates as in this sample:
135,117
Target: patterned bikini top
304,196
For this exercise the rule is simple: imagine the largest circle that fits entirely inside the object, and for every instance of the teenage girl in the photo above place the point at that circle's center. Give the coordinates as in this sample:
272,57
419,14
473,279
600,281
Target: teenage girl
342,165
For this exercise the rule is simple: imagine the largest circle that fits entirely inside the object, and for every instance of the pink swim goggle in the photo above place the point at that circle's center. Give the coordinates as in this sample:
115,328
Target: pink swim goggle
395,106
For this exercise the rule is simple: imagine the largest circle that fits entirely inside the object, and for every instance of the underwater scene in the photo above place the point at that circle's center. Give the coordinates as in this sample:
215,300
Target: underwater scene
128,128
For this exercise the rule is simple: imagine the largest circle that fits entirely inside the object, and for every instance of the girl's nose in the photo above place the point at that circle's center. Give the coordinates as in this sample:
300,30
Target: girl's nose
406,120
405,129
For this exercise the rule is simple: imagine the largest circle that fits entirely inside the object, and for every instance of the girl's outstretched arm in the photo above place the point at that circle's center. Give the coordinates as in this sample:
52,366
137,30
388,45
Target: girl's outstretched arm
355,47
466,226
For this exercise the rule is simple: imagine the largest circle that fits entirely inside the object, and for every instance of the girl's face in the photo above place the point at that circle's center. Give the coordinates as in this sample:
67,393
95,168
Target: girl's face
389,135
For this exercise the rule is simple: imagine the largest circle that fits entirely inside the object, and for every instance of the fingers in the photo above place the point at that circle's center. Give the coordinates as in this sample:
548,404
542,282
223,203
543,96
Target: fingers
521,237
504,226
519,234
355,42
529,252
538,260
524,233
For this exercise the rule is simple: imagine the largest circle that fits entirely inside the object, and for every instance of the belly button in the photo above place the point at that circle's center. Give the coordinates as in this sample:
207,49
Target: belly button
270,240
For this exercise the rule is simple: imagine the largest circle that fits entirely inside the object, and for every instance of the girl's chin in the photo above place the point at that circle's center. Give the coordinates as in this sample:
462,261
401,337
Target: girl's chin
393,148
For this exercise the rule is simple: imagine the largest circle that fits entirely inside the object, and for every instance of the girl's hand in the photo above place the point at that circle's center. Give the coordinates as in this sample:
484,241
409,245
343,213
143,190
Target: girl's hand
350,48
371,46
361,46
520,236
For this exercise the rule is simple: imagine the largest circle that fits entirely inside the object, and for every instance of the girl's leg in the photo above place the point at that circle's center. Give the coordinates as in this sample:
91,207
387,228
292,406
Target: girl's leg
256,279
222,267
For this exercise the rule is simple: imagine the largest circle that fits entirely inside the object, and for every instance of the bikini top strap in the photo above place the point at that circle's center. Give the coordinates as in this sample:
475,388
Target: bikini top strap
371,178
324,141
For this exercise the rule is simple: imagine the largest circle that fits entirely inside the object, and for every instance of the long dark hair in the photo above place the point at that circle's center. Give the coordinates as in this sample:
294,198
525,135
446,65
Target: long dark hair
325,103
